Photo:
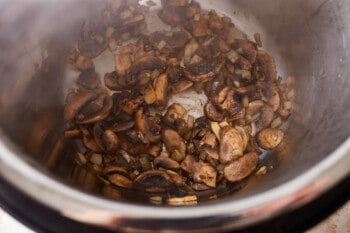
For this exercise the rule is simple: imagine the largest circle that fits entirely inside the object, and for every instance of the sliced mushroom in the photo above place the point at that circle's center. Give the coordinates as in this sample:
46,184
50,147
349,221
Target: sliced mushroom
199,26
160,86
176,3
174,143
154,181
265,119
253,111
166,163
115,169
91,49
89,80
213,113
204,70
149,94
105,139
215,85
122,64
269,93
247,48
244,135
122,126
134,142
173,12
176,178
180,86
75,102
147,63
118,83
167,41
130,23
95,110
231,145
241,168
267,64
209,139
148,126
174,113
200,171
200,186
120,180
91,144
269,138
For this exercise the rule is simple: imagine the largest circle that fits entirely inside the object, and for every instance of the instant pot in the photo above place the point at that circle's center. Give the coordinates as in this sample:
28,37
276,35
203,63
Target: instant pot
42,185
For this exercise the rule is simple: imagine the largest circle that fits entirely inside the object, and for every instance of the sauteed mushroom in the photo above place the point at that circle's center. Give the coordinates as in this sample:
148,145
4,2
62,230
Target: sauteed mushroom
135,139
241,168
154,181
204,70
269,138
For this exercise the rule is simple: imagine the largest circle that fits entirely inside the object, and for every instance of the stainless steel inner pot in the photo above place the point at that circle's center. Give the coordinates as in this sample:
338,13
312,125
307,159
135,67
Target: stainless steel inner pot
308,40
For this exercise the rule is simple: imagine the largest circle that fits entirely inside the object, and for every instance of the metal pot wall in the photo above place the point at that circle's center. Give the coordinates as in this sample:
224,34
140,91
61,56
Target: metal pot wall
308,40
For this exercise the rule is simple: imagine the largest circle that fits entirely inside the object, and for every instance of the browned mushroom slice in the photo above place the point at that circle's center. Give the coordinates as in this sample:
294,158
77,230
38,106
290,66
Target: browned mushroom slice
253,110
269,138
166,41
122,126
177,2
148,127
147,63
209,139
199,26
115,169
149,94
246,48
91,48
128,24
231,145
171,14
241,168
244,135
72,133
134,142
118,83
267,64
154,181
204,70
180,86
174,73
95,110
174,143
89,80
129,105
75,101
215,21
231,105
91,144
122,64
213,113
265,119
166,163
200,171
120,180
174,113
215,85
200,186
269,93
176,178
111,140
160,86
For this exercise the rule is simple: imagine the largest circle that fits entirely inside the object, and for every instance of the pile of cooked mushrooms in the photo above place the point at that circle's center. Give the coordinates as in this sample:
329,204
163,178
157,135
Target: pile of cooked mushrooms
130,133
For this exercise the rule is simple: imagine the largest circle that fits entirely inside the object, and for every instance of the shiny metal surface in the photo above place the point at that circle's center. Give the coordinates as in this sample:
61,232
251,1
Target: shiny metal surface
309,40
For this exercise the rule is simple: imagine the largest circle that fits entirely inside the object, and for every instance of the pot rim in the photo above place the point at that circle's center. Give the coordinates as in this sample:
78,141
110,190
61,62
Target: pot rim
85,208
